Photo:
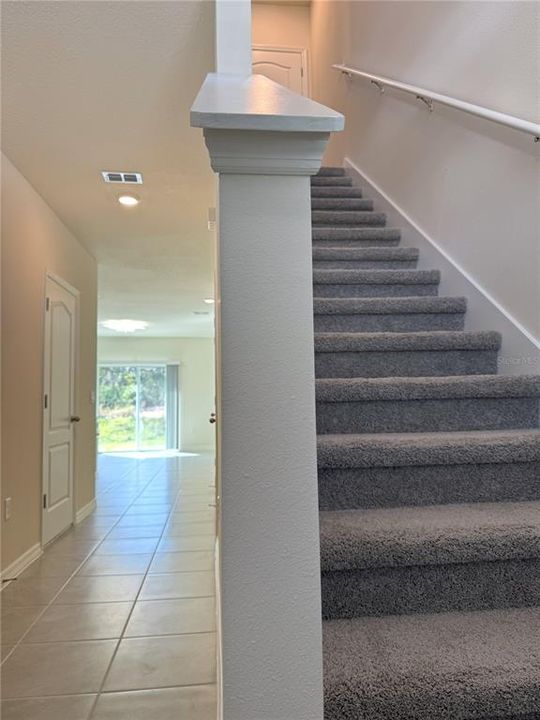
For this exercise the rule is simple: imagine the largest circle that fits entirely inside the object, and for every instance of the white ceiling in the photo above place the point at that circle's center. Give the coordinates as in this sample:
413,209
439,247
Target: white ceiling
90,86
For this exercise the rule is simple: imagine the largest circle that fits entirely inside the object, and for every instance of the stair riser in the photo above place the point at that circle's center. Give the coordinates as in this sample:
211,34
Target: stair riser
434,415
338,706
364,264
528,716
341,204
331,171
335,192
320,218
420,485
357,234
405,364
326,290
406,322
367,243
431,588
318,180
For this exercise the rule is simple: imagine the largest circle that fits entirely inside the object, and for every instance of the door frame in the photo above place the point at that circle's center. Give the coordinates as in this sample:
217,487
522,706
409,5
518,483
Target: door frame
302,51
49,275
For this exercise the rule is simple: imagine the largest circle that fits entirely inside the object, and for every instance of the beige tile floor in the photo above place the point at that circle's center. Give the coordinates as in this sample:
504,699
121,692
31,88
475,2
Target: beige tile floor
117,620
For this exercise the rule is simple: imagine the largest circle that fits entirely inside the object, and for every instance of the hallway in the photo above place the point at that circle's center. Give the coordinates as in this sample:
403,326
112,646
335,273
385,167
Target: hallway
117,619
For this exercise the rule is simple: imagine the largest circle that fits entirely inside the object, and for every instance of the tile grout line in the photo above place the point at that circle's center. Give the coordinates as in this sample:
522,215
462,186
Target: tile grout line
128,637
101,690
111,692
135,499
70,577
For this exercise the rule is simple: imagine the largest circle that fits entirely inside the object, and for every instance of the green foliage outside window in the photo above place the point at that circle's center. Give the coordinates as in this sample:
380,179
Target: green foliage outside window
117,422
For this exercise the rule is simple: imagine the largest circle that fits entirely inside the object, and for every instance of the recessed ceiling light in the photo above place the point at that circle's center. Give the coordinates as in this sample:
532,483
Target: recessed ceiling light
125,326
128,200
209,301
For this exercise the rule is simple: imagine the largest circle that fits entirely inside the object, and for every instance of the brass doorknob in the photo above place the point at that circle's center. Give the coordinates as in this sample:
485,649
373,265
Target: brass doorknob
213,418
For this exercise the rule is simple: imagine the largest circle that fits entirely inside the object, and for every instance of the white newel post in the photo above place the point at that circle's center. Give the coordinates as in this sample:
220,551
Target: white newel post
233,37
270,569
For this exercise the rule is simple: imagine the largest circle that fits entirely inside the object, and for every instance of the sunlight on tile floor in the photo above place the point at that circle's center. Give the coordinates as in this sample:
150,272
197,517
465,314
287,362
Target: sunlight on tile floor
117,620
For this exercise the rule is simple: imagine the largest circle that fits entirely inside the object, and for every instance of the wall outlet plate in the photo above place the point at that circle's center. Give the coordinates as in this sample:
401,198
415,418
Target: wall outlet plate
7,508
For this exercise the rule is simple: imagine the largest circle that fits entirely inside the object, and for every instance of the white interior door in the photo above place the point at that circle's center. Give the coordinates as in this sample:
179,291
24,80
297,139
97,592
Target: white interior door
282,65
58,408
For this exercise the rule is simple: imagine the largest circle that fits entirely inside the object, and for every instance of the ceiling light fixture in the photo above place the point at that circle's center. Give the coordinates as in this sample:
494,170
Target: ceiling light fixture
209,301
125,326
128,200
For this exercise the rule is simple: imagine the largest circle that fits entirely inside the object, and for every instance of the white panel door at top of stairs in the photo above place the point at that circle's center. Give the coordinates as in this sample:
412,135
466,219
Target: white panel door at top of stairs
286,66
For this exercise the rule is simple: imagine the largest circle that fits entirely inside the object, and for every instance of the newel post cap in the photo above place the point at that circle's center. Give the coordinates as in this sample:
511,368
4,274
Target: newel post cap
256,126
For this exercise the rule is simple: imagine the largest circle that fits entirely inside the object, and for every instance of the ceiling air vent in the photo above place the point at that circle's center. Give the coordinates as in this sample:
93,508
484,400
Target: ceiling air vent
125,178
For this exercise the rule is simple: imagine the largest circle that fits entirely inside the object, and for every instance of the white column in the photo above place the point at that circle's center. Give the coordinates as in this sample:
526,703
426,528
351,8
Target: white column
233,37
270,565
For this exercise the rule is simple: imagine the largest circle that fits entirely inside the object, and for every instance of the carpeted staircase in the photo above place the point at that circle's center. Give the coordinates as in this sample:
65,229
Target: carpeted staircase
429,487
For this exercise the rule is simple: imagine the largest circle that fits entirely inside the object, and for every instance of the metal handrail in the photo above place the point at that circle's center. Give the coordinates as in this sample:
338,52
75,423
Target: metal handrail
428,98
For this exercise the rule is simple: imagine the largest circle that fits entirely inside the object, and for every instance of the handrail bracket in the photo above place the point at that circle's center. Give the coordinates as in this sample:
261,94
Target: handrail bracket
378,85
428,102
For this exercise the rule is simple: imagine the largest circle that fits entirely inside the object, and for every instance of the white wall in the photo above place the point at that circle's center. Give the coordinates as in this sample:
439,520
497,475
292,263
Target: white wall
470,185
35,241
197,396
281,24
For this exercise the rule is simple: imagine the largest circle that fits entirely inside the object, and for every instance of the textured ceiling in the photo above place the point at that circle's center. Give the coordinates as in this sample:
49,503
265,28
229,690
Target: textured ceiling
90,86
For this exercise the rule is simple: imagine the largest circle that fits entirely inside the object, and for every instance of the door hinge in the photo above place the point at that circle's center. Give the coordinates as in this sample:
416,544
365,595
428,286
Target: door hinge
45,501
47,303
301,72
45,401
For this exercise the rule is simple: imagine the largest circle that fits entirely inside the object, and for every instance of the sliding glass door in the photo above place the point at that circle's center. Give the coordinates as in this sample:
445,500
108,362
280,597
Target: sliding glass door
137,407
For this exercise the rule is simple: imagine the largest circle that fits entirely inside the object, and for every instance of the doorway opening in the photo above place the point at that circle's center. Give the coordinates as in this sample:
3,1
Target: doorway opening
138,407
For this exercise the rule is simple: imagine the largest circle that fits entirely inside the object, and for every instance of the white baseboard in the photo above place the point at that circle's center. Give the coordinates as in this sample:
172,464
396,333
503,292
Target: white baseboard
520,351
85,511
21,563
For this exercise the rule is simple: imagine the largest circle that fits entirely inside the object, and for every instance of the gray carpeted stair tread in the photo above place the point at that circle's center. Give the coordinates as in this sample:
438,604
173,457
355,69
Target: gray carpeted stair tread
416,404
404,353
374,282
318,180
429,486
375,277
433,535
506,479
420,313
402,342
349,218
356,258
443,666
341,204
369,235
361,253
331,170
329,191
418,388
388,306
438,448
